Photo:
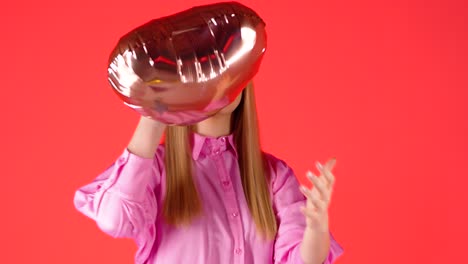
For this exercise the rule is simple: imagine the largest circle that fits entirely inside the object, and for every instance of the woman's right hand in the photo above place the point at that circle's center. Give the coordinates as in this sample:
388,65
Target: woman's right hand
146,138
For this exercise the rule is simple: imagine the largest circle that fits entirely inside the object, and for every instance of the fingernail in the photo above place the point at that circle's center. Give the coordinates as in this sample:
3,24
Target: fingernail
319,166
310,175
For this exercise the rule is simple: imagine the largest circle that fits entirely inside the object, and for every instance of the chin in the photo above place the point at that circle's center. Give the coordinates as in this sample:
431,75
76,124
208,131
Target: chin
224,112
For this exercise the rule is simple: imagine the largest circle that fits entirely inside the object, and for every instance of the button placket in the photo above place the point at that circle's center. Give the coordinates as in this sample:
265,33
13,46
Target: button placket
216,151
223,175
231,205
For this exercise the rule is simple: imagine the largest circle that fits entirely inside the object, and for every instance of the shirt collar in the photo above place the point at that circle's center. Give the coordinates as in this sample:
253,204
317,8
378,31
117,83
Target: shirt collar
203,144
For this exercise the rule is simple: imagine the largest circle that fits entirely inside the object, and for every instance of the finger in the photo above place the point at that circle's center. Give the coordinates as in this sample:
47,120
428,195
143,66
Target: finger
308,213
325,171
323,189
314,178
330,163
319,204
324,195
318,182
305,191
314,197
329,167
330,178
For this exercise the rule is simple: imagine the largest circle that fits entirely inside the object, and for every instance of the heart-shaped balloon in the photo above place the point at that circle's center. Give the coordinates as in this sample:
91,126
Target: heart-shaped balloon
183,68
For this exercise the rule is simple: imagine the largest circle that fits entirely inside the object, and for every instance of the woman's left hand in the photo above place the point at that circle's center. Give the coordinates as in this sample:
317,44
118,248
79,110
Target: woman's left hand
318,198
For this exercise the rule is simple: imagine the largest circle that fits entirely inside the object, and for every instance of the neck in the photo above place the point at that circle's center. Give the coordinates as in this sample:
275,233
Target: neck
216,126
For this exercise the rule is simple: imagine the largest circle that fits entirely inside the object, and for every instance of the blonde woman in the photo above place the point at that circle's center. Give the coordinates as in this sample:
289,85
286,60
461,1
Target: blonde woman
210,195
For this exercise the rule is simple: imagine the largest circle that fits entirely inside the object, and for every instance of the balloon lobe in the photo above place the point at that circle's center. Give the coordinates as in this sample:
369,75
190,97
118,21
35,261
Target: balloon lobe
183,68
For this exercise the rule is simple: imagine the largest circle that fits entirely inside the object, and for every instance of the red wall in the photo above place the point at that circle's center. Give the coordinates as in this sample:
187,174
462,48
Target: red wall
381,85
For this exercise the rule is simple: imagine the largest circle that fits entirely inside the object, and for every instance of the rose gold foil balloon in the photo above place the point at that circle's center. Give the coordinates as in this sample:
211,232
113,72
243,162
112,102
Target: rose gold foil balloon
183,68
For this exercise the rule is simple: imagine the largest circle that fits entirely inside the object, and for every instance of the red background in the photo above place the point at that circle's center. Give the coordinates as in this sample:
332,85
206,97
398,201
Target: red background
381,85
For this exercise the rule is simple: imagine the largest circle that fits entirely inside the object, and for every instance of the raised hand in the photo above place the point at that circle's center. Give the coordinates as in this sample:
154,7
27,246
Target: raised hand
319,197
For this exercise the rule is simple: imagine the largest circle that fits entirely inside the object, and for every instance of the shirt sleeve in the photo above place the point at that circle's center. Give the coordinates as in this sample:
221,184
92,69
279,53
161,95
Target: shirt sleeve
287,200
122,199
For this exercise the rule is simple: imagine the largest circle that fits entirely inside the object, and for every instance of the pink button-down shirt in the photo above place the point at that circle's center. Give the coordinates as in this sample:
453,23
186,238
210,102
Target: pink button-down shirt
126,201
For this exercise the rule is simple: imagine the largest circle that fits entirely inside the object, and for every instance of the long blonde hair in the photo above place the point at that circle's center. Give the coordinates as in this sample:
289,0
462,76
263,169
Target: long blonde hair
182,202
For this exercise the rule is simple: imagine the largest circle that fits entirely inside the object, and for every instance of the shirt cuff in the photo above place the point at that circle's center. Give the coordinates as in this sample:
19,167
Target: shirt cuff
335,251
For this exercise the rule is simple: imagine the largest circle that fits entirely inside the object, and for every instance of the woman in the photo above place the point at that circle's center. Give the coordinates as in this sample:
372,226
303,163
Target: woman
210,195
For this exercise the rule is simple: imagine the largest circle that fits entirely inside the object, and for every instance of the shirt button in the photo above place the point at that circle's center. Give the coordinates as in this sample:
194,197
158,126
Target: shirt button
216,151
223,139
235,214
238,251
226,183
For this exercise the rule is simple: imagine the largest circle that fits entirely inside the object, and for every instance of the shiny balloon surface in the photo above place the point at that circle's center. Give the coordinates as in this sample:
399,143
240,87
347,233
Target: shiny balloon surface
185,67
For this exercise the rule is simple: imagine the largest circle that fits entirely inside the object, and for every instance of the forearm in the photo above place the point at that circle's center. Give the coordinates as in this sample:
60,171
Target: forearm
146,137
315,246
